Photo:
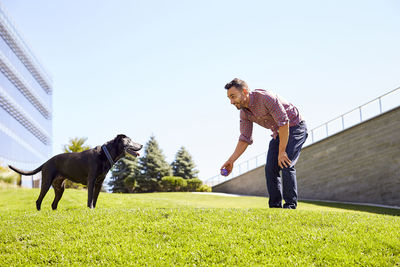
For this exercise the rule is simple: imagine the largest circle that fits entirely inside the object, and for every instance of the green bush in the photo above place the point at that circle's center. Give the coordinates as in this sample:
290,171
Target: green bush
193,184
173,184
9,176
70,184
146,185
204,188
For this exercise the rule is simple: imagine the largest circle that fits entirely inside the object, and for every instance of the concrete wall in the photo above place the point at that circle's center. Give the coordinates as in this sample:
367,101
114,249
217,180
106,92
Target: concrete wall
360,164
251,183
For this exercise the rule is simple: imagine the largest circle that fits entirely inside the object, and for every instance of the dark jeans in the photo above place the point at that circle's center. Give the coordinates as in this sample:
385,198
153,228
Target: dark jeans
297,137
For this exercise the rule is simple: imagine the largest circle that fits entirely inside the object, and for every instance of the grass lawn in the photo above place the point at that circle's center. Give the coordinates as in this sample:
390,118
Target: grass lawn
192,229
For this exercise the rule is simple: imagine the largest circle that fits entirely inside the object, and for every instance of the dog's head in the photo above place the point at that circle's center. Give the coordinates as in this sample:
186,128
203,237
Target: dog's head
127,145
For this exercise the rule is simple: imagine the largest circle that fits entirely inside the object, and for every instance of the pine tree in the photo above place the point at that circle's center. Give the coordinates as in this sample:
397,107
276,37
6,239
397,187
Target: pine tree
153,163
121,171
183,165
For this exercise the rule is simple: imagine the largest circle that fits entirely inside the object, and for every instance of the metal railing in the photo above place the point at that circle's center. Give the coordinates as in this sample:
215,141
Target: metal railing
369,110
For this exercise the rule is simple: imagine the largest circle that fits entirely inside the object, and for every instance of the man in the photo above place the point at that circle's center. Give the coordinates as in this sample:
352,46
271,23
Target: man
289,133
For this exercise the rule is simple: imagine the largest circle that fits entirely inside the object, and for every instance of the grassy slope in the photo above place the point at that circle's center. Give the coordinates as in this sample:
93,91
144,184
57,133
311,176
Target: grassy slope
185,228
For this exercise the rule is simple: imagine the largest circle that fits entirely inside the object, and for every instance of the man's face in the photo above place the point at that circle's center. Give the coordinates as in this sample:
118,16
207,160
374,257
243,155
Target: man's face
238,98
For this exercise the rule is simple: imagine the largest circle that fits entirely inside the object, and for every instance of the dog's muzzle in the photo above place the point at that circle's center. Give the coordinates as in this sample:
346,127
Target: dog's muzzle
133,149
132,152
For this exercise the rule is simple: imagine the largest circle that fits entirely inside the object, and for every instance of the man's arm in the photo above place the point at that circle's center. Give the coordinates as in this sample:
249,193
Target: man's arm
246,130
240,148
283,159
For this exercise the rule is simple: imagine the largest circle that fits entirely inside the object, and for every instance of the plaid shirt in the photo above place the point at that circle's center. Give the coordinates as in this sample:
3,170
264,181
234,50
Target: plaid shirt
268,110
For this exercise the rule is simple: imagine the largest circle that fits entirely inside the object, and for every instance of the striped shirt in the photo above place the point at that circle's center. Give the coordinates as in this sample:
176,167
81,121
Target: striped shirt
268,110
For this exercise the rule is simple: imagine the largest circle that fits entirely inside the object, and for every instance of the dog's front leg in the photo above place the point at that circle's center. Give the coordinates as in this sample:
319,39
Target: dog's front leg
97,188
91,181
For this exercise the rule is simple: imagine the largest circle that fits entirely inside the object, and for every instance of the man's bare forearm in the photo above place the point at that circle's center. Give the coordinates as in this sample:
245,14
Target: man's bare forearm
283,137
240,148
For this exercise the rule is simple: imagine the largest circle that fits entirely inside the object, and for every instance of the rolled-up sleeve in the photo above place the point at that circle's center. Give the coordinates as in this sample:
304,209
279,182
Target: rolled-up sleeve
276,109
246,129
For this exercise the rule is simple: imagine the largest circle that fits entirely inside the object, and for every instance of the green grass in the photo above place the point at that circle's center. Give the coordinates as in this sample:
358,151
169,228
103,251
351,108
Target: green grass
192,229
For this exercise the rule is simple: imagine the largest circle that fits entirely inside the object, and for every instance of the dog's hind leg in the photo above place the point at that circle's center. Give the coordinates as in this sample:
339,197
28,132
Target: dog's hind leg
46,183
59,187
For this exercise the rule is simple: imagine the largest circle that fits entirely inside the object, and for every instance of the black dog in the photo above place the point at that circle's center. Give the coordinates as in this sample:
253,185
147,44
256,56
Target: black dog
88,167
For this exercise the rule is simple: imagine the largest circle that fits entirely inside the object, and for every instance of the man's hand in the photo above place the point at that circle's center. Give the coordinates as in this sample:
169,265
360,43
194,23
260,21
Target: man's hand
283,160
228,166
240,148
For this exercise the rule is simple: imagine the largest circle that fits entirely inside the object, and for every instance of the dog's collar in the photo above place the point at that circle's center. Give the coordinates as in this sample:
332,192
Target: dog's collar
107,154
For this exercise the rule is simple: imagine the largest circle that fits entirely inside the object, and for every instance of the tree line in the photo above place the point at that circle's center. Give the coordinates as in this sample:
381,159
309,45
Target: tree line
152,172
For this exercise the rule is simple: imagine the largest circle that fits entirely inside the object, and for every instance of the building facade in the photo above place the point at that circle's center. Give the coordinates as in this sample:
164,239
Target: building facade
25,102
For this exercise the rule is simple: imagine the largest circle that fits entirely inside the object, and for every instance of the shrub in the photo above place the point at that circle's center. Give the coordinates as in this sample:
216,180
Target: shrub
193,184
173,183
7,179
137,184
204,188
70,184
144,185
9,176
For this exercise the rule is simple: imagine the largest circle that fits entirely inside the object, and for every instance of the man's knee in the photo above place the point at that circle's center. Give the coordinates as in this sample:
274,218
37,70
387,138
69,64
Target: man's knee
289,170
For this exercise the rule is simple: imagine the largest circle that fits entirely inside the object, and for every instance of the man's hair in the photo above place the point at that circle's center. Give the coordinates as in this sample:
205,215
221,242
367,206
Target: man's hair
237,83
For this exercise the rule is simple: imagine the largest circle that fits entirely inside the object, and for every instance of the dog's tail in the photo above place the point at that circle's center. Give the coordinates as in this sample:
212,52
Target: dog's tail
26,172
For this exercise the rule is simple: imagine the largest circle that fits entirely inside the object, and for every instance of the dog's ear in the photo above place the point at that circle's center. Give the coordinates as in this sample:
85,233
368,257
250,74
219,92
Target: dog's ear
120,136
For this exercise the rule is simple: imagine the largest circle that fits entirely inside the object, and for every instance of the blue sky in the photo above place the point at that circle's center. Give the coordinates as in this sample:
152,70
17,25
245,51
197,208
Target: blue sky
159,67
